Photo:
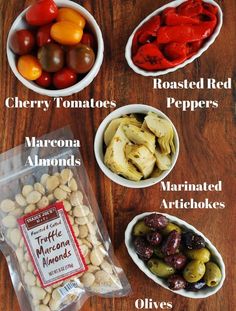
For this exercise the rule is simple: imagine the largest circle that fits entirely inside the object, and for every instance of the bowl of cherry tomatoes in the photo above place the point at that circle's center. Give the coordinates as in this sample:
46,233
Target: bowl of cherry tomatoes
55,47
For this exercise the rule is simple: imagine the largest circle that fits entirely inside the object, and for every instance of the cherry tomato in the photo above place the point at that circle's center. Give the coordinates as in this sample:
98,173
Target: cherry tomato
43,35
70,15
64,78
22,42
44,80
51,57
29,67
80,58
41,13
66,33
89,40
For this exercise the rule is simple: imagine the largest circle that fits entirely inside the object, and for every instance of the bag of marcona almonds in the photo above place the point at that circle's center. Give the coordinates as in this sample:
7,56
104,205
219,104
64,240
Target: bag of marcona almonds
52,233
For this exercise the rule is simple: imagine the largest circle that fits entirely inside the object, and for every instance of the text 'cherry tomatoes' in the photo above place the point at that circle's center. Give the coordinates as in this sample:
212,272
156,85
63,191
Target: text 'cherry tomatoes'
64,78
51,57
45,80
41,13
80,58
29,67
22,42
66,33
70,15
43,35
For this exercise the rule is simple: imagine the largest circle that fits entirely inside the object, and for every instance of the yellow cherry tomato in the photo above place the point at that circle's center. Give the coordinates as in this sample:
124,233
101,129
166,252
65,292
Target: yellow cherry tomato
70,15
66,33
29,67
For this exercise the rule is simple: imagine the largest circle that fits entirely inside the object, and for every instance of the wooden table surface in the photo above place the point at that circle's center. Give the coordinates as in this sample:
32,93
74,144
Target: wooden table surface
207,141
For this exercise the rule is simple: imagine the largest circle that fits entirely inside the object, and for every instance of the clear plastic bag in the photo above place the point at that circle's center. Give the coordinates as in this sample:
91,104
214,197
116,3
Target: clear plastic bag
28,196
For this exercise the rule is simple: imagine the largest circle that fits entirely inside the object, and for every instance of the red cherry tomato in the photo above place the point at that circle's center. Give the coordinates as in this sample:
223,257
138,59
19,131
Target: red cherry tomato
44,80
64,78
41,13
43,35
22,42
89,40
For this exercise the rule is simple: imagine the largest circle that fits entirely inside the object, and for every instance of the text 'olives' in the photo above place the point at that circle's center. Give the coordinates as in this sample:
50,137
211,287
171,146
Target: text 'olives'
80,58
51,57
156,221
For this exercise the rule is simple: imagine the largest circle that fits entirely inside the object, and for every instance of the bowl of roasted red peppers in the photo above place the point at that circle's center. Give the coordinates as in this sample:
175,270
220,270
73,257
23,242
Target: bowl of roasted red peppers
173,36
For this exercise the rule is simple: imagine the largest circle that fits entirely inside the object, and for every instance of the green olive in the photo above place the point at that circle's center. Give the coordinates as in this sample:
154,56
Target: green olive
141,229
157,251
171,227
160,268
202,254
213,274
194,271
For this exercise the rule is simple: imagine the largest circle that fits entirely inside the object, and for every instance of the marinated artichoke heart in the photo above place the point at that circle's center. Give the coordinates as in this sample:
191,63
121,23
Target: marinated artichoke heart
115,158
156,173
113,126
163,130
140,137
143,159
163,160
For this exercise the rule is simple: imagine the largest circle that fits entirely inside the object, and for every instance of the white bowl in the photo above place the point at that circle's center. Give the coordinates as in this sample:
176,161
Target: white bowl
99,142
173,4
204,293
20,23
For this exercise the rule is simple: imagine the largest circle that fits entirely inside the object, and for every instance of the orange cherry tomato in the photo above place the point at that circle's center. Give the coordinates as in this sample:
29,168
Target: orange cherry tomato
29,67
70,15
66,33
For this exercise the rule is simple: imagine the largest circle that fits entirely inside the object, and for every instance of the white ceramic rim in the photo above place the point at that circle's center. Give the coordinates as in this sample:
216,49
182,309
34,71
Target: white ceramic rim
188,61
81,84
99,138
217,257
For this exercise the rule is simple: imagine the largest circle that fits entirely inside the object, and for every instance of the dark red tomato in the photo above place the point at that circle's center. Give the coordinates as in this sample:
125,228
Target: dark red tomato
51,57
80,58
41,13
43,35
89,40
45,80
64,78
22,42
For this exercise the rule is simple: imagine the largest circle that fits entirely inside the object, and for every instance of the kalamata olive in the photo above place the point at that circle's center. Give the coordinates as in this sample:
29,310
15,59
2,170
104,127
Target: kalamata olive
177,261
176,282
22,42
81,58
193,241
142,248
51,57
172,243
156,221
154,238
194,287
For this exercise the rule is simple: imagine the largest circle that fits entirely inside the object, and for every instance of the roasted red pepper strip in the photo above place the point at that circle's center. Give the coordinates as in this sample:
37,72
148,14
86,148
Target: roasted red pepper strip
149,57
174,19
184,33
176,50
146,33
190,8
211,8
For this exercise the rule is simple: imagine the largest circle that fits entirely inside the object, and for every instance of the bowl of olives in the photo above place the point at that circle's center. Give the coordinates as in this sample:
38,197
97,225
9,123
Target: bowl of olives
175,255
55,47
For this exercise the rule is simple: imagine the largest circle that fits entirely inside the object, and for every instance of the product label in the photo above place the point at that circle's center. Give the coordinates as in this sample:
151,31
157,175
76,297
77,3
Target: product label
52,245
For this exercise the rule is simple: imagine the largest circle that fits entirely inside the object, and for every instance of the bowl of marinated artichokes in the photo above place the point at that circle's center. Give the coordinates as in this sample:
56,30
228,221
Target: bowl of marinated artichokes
136,146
